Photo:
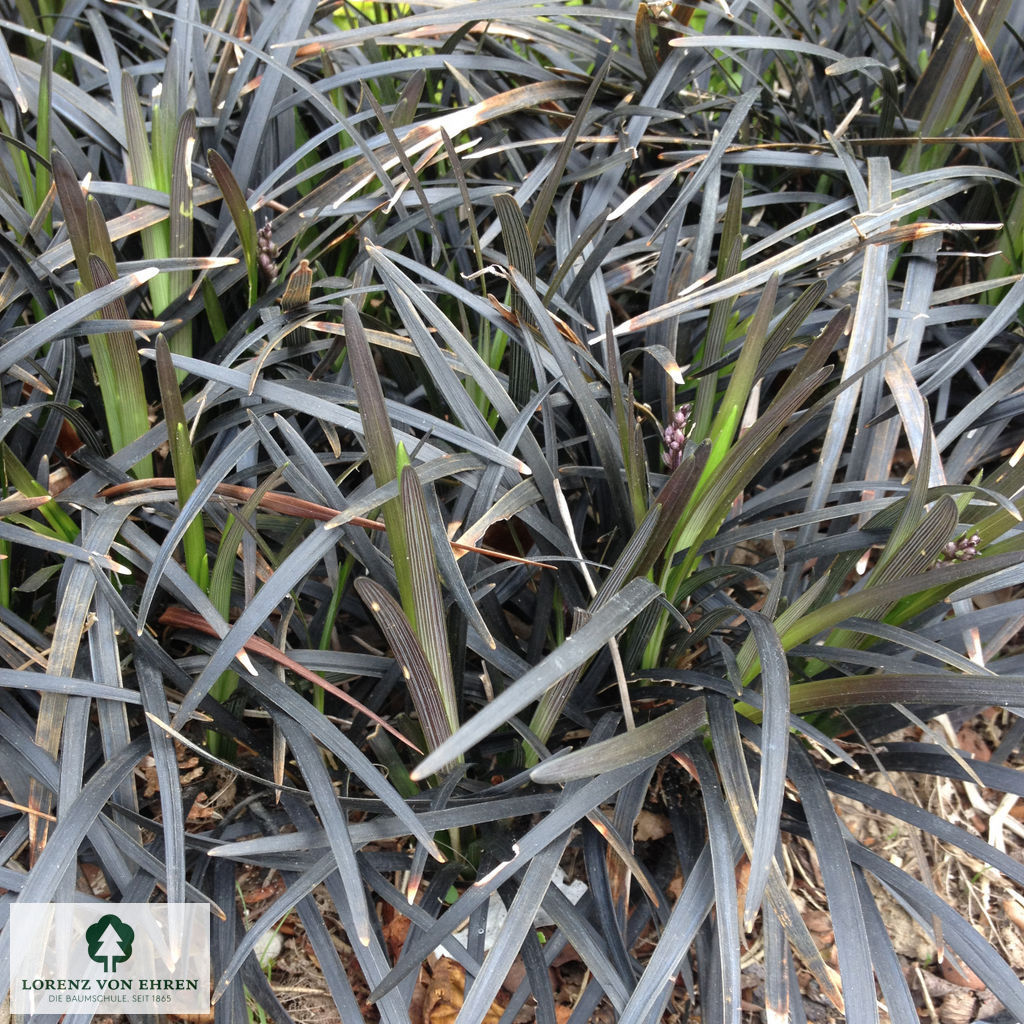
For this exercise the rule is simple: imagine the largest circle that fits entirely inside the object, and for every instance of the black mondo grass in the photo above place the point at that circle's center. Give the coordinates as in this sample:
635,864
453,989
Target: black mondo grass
522,499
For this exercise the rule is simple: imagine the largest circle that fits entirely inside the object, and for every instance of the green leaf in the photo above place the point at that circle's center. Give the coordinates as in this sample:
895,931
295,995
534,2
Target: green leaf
76,221
44,109
519,250
165,115
742,378
243,218
644,43
662,736
23,481
603,626
380,442
99,237
140,156
789,324
423,686
386,754
718,321
182,460
941,94
180,222
430,624
116,359
933,584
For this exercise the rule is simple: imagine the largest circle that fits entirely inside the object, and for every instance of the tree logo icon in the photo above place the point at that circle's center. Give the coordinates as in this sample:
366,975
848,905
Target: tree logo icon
110,942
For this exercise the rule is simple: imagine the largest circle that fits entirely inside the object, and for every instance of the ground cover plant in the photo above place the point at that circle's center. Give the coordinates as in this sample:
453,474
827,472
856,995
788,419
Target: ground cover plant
458,457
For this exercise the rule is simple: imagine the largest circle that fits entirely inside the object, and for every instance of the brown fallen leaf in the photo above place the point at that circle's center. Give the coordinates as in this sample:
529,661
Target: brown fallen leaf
1015,912
819,924
189,769
265,892
651,826
446,992
195,1018
200,811
395,933
957,1007
971,742
961,974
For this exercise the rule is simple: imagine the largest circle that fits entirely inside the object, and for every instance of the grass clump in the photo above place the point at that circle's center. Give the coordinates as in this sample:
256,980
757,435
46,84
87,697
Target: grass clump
480,432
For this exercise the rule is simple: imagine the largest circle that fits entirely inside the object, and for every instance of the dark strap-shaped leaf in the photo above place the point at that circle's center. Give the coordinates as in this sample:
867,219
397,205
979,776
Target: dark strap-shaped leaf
603,626
659,737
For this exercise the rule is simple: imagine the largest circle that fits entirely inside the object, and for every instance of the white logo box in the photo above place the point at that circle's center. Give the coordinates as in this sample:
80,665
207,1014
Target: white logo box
110,957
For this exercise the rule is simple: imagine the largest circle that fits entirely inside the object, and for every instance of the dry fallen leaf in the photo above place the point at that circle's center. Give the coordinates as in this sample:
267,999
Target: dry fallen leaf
969,740
95,879
651,826
446,992
957,1007
961,974
1015,912
395,932
195,1018
199,811
819,923
189,769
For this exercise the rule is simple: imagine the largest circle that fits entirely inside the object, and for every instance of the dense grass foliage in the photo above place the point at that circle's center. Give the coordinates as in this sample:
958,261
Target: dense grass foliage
471,427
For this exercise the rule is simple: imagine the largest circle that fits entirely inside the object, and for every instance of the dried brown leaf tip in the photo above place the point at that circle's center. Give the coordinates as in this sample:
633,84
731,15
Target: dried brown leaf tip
300,283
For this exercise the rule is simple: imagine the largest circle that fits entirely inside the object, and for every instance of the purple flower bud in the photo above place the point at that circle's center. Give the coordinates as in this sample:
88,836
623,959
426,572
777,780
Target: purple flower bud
266,253
962,550
675,436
